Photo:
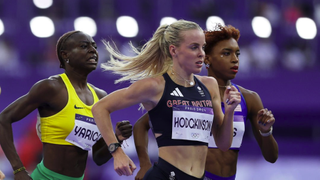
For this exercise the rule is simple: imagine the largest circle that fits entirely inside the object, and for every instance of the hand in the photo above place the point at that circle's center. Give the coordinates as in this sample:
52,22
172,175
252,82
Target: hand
123,130
265,120
23,175
123,165
2,176
143,170
232,97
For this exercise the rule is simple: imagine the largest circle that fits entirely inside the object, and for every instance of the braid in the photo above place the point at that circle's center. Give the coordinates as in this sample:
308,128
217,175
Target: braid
60,45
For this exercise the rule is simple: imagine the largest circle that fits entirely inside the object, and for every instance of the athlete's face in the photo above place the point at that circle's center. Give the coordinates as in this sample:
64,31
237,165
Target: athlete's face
82,52
189,55
224,59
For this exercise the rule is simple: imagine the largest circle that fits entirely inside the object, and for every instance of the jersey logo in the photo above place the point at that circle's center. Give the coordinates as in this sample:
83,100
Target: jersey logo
75,106
201,91
176,92
238,108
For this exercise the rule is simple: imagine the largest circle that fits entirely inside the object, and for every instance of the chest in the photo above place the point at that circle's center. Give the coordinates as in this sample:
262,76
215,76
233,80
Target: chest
85,96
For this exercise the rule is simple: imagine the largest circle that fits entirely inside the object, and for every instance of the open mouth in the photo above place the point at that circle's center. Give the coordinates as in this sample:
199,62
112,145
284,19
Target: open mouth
93,59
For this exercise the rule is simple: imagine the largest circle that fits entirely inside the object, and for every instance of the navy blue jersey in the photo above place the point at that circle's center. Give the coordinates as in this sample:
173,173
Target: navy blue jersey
183,115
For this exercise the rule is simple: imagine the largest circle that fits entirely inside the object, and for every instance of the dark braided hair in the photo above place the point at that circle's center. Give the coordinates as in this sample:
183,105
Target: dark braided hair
60,46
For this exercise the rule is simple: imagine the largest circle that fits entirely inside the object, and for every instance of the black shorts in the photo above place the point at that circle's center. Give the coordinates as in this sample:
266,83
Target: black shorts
162,170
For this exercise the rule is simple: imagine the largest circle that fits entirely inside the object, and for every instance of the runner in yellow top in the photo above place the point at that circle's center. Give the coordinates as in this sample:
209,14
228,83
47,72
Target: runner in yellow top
66,125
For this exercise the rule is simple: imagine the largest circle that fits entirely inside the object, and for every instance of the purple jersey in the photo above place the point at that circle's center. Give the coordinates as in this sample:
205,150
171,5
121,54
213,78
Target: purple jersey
240,116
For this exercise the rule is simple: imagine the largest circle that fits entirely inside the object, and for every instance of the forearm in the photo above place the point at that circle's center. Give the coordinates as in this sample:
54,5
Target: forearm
141,144
103,121
225,132
6,141
269,148
143,156
102,156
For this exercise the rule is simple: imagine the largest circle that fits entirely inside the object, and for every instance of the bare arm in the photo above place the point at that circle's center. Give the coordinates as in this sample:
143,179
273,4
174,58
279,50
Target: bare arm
222,128
101,154
100,151
261,119
37,96
140,134
142,91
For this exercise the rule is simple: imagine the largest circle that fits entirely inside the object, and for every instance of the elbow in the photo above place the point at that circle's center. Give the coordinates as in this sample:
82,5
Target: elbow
97,161
224,149
101,157
272,159
95,109
100,160
224,146
99,109
4,125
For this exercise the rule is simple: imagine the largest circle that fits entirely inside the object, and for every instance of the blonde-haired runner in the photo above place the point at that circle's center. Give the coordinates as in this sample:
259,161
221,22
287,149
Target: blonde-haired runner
182,106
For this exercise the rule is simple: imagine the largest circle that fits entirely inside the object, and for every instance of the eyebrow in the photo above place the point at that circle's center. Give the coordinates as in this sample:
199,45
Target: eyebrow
229,49
87,42
197,44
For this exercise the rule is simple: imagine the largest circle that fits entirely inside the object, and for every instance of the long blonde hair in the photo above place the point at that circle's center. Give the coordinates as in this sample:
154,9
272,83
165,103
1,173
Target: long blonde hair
153,59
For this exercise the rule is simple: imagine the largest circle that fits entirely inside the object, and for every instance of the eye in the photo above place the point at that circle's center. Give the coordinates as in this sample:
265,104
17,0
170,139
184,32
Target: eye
194,47
226,53
238,54
83,46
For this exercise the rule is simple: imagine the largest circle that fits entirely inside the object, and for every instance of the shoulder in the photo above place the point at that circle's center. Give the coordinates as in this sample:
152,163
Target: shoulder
207,79
150,84
100,92
145,89
252,99
248,93
47,89
51,84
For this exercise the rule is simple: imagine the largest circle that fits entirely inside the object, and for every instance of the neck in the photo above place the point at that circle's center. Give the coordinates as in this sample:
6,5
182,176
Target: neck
179,77
77,80
225,84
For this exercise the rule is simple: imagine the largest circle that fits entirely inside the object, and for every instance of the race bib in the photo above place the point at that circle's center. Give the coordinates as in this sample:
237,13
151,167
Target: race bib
85,133
191,123
238,132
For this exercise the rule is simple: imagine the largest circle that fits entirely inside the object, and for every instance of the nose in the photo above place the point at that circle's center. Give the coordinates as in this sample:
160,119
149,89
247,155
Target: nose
92,49
235,58
202,53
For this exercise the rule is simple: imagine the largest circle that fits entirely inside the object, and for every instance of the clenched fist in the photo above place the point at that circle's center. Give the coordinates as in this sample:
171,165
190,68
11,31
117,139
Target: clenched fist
123,130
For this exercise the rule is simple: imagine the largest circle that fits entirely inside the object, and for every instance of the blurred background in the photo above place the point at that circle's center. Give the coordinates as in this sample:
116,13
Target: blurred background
279,59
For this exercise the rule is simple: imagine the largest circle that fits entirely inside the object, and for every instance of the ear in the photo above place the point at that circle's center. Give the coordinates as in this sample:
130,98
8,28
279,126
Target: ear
172,50
207,59
64,54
